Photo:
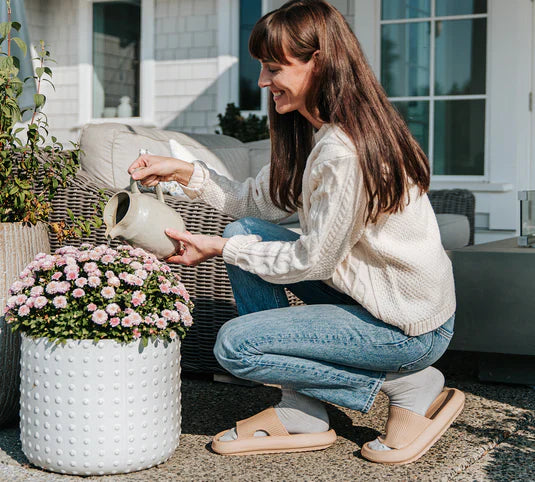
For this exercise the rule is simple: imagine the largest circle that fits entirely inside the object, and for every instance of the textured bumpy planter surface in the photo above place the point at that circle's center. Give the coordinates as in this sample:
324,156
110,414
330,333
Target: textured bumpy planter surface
99,408
18,246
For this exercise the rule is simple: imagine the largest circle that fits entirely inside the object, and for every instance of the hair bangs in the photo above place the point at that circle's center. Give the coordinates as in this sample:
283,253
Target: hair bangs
266,40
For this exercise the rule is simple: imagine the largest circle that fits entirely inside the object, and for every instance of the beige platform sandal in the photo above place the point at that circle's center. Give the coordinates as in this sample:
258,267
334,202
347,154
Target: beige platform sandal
410,435
277,440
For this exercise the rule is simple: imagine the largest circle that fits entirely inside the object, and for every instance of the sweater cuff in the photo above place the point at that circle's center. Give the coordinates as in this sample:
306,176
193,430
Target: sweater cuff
195,184
235,244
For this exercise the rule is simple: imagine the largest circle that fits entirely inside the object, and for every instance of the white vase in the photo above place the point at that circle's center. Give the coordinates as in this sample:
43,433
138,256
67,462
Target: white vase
124,109
99,408
19,243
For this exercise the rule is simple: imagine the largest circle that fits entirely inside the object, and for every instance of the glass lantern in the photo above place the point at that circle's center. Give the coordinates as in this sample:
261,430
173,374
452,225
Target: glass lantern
527,218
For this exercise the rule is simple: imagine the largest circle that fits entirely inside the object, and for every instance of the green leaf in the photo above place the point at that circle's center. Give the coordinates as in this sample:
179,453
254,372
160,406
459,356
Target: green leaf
22,46
16,26
39,100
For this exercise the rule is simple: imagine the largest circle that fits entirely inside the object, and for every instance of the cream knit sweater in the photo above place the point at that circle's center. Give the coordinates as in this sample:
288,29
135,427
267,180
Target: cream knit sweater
396,268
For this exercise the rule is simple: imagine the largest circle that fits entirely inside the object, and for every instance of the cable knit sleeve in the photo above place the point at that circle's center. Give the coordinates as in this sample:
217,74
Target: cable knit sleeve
334,221
237,199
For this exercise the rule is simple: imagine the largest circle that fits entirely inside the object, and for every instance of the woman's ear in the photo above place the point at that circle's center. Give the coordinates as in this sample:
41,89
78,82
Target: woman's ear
315,59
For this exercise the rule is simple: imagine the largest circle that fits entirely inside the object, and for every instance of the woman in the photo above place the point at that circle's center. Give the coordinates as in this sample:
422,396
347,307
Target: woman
369,265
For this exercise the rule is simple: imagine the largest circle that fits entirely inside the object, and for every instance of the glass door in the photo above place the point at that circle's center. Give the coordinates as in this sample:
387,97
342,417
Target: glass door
433,68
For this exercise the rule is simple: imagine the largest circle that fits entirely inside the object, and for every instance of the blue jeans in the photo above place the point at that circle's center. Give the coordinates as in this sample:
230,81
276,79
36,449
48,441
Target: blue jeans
331,349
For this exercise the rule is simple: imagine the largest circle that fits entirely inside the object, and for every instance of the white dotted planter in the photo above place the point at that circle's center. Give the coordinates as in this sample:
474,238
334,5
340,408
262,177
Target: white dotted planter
104,408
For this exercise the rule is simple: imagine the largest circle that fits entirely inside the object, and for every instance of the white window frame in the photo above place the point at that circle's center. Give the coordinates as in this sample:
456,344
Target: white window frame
228,57
432,97
147,66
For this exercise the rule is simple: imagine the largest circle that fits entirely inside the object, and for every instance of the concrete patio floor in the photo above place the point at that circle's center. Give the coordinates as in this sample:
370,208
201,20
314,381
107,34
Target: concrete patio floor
493,439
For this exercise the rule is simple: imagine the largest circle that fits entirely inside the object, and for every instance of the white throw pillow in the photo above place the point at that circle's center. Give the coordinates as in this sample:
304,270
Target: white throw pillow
178,151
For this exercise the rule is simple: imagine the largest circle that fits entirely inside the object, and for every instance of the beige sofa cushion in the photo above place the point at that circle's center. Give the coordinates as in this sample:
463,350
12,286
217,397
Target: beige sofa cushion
110,148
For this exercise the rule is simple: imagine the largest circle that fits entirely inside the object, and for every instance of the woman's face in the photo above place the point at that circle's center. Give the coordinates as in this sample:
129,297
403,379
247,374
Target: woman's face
289,86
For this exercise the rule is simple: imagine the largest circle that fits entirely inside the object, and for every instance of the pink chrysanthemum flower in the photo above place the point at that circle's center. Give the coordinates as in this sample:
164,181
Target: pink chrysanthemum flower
161,323
185,314
71,276
78,292
20,299
113,308
60,301
136,333
138,298
28,281
23,310
165,288
107,258
136,319
57,275
115,321
99,317
93,281
127,322
91,307
141,273
16,287
114,281
172,334
81,282
52,287
170,315
30,302
107,292
63,287
11,302
37,291
40,302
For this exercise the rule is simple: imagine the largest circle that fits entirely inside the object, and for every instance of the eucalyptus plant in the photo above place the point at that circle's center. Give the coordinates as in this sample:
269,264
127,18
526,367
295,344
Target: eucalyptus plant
31,169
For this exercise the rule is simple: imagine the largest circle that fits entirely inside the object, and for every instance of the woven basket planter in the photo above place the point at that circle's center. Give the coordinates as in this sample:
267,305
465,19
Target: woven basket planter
18,246
99,408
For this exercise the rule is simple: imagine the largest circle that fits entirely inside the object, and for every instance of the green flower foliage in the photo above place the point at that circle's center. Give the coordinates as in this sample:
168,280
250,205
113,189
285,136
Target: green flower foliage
246,129
31,171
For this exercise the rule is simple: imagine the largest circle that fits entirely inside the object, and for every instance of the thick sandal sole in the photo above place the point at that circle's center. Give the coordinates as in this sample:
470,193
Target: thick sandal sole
382,457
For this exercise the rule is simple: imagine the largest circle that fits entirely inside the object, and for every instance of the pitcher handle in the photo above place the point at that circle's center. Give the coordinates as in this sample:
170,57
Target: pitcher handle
135,189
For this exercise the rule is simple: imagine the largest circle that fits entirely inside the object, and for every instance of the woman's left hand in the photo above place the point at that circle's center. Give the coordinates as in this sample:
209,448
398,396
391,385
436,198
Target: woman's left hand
196,247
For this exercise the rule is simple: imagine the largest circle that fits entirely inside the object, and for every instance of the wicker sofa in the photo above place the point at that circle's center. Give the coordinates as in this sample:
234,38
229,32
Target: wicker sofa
108,149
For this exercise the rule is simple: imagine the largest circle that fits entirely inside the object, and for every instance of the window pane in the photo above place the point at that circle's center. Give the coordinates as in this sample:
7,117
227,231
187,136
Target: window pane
459,137
460,7
250,12
416,115
460,56
116,40
405,59
396,9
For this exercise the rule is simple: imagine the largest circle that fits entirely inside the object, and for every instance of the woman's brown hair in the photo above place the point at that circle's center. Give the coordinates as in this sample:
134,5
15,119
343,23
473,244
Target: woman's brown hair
347,94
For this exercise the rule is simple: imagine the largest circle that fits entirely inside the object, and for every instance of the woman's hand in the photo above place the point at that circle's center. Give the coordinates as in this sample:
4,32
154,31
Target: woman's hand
150,170
196,247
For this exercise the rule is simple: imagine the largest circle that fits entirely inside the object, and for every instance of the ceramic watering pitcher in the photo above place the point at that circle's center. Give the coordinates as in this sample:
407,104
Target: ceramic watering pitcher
141,220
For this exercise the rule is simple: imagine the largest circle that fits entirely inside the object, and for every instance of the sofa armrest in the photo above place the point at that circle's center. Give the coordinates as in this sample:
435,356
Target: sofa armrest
455,201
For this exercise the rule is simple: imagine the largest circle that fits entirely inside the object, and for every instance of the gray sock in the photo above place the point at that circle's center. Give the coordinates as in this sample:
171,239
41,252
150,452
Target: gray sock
414,391
298,413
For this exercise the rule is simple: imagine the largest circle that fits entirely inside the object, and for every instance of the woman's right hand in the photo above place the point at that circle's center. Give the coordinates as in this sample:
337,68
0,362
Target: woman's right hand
150,170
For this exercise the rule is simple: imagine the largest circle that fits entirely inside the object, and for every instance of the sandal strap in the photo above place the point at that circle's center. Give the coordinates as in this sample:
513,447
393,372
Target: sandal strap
267,420
402,427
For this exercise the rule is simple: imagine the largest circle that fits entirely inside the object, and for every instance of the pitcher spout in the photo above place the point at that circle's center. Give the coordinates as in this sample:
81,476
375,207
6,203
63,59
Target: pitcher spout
113,232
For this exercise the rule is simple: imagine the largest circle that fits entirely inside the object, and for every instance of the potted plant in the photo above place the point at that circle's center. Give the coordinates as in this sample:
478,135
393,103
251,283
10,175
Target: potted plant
31,172
100,363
